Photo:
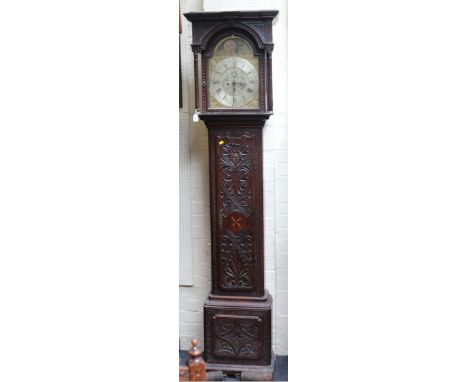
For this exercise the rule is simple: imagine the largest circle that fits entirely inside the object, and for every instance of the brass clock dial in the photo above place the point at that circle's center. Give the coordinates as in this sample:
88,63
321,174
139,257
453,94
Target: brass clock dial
233,75
234,82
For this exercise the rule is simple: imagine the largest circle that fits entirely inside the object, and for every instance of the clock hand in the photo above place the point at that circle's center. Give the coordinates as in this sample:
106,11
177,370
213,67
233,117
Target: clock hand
233,92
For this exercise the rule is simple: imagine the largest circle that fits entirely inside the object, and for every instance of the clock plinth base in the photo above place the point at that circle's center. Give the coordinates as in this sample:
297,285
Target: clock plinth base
249,372
238,334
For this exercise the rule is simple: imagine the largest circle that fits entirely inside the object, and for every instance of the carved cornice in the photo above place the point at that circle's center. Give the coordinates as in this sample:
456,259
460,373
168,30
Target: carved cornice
207,24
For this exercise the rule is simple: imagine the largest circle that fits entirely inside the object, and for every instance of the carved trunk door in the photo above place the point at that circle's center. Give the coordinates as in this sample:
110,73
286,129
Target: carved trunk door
237,211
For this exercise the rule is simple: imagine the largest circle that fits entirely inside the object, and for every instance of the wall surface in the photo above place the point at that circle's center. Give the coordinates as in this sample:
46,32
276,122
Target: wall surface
275,135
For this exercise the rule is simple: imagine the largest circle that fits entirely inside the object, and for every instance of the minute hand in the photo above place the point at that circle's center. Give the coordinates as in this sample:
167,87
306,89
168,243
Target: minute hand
233,92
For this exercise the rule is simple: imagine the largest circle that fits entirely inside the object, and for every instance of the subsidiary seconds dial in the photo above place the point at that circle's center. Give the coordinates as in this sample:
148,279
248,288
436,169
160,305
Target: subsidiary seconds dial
234,82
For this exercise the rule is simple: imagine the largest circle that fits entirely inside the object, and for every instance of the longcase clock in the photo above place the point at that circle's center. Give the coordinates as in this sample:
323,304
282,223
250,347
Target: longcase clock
233,96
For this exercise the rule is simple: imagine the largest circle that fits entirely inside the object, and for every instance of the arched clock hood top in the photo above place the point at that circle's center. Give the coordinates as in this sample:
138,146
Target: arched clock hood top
257,24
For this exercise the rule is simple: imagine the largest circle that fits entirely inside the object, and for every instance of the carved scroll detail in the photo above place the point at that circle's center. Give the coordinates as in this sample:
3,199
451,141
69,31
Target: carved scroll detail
237,337
236,240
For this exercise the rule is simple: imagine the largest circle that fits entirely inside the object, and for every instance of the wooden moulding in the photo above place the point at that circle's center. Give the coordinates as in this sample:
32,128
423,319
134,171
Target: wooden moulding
246,372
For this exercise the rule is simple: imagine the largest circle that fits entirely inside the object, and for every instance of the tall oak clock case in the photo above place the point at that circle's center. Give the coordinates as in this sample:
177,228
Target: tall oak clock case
233,96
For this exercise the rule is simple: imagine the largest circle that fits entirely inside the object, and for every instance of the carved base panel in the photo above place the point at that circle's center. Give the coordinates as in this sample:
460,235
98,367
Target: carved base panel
238,333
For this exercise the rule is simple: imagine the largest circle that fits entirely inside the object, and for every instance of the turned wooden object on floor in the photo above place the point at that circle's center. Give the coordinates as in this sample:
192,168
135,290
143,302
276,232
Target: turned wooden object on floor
195,371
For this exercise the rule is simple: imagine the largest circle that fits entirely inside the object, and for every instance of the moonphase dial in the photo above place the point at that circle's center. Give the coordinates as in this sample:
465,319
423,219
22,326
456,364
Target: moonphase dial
234,82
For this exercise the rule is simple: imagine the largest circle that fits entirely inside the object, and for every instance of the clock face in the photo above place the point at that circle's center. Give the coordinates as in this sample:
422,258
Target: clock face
233,75
234,82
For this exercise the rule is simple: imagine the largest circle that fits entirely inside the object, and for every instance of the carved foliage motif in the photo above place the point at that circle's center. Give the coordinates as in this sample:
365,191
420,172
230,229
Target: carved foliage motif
237,260
237,337
236,240
235,173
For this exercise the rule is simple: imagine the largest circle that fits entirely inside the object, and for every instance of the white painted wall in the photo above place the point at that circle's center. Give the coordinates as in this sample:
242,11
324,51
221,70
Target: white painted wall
275,184
192,298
